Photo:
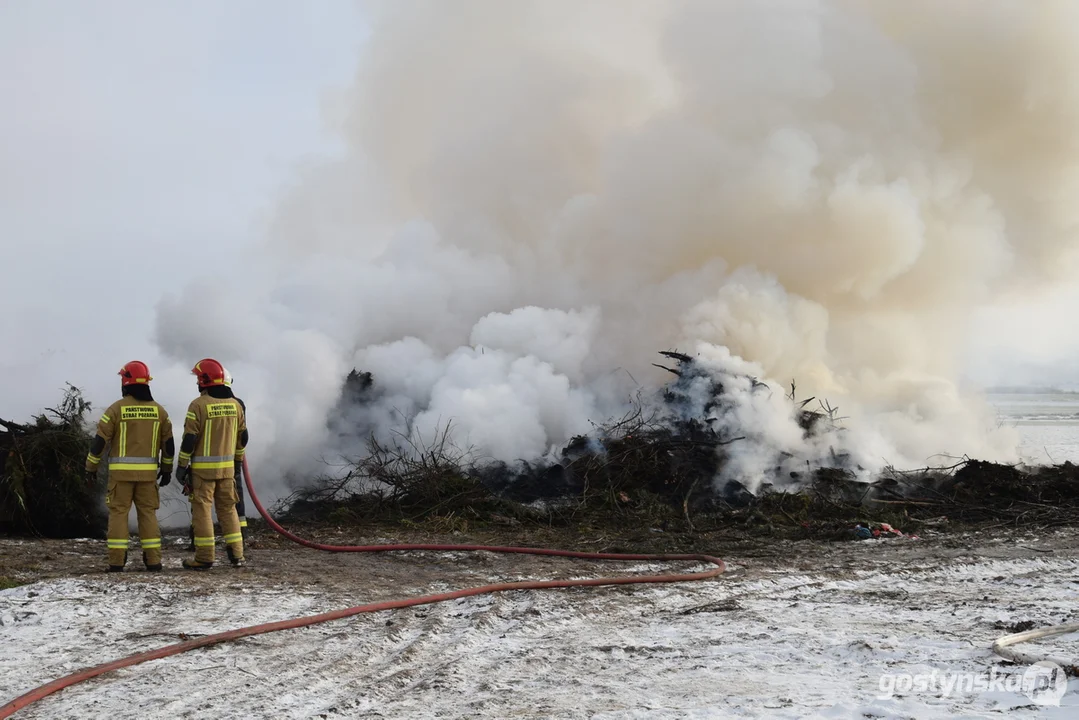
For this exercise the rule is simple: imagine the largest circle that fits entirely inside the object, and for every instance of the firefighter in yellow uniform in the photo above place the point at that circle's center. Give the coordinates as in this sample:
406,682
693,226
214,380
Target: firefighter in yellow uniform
215,435
240,509
141,447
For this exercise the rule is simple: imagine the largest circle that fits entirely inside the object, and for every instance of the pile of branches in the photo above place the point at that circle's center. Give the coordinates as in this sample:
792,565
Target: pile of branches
634,466
657,464
661,463
657,467
979,492
42,490
966,494
400,479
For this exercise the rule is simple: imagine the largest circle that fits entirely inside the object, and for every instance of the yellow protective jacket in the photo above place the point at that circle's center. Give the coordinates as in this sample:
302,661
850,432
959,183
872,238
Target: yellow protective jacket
218,426
138,433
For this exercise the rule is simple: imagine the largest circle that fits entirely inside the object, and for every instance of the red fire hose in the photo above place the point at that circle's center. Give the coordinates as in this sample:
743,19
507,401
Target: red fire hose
82,675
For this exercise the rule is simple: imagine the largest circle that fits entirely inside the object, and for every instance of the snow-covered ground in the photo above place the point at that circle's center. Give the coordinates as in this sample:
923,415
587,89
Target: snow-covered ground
768,639
1047,424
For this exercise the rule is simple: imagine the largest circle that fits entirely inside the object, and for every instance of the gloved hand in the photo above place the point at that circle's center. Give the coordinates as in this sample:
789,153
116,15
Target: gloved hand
183,475
238,470
164,476
91,477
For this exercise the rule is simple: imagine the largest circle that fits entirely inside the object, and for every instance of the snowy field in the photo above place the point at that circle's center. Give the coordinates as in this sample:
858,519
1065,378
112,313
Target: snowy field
810,636
1047,424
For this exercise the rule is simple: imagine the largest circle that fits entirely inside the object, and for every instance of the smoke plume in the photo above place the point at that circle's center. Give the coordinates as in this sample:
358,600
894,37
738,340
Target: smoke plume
538,195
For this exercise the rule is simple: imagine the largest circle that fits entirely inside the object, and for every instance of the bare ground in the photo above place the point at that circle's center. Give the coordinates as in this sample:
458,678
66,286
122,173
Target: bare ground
275,561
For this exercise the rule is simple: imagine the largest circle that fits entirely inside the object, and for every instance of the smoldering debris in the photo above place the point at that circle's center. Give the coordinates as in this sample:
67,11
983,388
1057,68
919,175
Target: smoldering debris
667,463
680,441
676,445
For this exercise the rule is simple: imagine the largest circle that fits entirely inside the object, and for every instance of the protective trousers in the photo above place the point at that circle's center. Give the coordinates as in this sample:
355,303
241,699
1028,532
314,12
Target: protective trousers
119,498
220,493
240,513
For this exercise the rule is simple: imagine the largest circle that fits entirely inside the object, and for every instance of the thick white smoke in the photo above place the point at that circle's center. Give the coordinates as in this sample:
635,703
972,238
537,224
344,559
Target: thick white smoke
540,194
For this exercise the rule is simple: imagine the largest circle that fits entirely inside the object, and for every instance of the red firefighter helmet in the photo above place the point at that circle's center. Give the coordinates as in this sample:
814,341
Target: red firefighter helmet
134,373
209,372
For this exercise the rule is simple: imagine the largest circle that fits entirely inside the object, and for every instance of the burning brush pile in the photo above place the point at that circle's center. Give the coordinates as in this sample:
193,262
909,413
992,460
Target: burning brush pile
686,459
678,450
664,456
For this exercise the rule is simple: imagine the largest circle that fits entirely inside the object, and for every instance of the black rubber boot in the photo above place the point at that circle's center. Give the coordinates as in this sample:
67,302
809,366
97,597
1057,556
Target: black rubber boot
191,538
236,562
119,568
149,567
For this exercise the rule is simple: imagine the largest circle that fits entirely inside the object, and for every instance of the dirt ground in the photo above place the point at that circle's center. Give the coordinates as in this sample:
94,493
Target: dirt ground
276,561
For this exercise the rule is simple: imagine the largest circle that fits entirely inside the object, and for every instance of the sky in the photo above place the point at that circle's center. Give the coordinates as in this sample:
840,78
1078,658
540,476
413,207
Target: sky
141,143
1032,342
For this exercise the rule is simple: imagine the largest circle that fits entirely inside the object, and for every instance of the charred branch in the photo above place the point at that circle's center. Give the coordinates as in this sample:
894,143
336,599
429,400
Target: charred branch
680,357
670,370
